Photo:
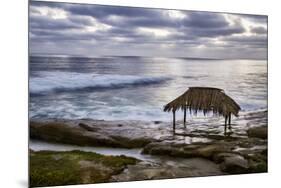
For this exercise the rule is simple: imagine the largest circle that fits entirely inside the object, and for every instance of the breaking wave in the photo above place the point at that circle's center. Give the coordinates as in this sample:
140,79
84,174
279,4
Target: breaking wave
68,81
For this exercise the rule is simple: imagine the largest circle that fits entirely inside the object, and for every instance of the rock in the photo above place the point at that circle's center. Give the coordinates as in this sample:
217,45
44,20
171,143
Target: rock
132,142
220,157
210,150
251,142
258,162
157,122
158,148
258,132
170,168
203,150
171,149
83,135
62,133
87,127
264,152
143,171
235,164
258,167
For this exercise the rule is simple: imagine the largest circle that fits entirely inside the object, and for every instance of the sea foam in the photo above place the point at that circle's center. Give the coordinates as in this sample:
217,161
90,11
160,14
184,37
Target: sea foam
67,81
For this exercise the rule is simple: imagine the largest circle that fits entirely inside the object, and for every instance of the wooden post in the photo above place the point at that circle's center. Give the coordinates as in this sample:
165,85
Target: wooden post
229,121
174,121
184,118
225,124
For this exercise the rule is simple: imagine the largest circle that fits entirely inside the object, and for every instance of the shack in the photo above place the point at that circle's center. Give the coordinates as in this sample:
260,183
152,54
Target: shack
204,99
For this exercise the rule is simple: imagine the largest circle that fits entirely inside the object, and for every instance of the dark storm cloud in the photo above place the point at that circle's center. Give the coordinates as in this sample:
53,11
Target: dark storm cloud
105,11
141,30
155,21
255,41
48,4
211,32
55,36
205,20
197,22
99,11
258,30
47,23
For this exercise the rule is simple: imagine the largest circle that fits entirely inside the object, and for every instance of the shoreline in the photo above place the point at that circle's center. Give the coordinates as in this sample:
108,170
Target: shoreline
242,150
137,134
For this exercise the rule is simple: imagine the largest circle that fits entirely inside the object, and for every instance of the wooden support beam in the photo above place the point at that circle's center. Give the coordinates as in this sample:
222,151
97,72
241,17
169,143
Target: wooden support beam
184,118
174,121
225,124
229,121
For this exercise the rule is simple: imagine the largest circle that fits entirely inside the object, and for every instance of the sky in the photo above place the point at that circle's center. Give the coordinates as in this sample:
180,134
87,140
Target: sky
96,30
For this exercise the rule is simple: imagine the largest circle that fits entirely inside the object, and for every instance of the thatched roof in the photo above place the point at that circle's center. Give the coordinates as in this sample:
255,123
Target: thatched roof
204,99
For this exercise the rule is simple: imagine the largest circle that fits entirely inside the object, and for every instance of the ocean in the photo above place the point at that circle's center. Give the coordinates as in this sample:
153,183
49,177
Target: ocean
135,88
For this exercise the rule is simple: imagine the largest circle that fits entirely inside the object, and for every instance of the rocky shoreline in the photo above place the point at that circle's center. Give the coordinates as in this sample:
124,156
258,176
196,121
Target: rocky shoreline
240,150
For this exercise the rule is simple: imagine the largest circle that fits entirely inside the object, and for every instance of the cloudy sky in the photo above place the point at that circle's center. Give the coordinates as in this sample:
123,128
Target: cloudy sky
94,30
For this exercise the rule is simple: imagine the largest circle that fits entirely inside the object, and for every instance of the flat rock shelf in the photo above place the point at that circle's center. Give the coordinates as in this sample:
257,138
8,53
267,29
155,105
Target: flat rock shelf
200,149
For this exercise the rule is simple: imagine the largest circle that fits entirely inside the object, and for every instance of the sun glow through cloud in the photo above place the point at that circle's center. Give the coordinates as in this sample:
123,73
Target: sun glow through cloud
176,14
54,13
154,31
97,26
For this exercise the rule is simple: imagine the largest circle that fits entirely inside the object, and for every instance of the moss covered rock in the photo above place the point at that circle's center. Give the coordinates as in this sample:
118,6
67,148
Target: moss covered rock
50,168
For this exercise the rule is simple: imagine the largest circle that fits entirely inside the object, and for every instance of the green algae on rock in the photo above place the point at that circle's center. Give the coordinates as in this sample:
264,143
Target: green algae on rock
52,168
